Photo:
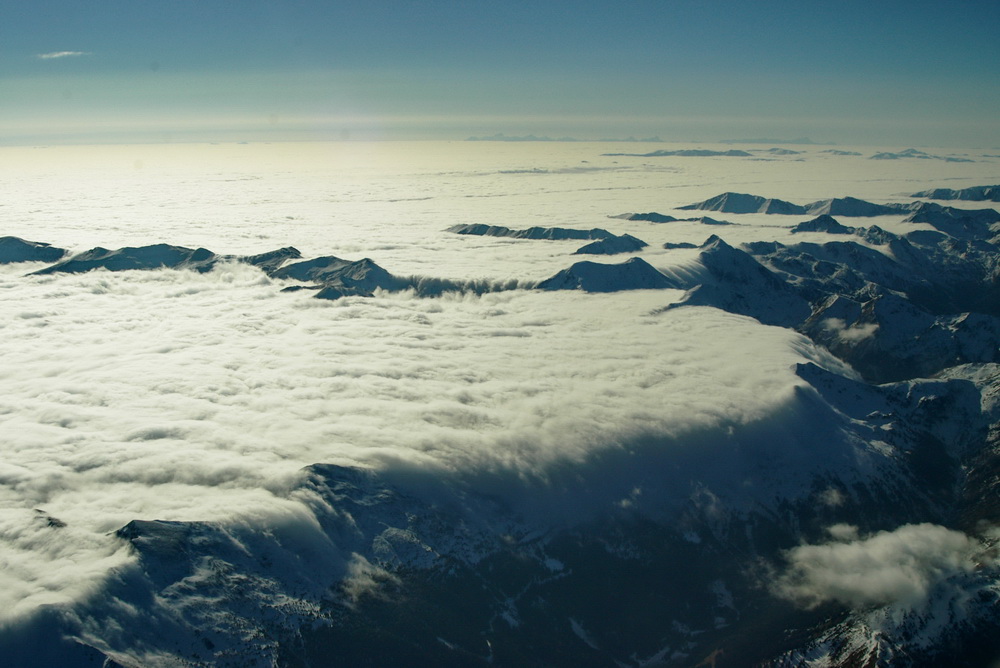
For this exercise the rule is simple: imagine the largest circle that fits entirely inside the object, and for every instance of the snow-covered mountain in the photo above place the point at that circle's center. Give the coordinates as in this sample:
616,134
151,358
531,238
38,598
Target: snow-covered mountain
912,153
160,256
613,245
852,206
837,206
633,274
743,203
973,194
551,233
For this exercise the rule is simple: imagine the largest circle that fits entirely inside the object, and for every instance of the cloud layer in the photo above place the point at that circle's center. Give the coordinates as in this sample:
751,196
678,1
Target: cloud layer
181,396
888,568
173,395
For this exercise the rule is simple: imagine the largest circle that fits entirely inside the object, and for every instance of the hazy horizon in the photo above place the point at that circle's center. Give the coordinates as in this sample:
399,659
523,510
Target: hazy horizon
852,74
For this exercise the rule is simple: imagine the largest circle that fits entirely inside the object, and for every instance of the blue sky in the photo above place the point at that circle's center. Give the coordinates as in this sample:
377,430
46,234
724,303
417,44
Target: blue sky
915,73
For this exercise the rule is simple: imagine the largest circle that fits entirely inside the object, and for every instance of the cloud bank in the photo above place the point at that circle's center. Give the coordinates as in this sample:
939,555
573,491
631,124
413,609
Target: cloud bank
896,567
173,395
198,399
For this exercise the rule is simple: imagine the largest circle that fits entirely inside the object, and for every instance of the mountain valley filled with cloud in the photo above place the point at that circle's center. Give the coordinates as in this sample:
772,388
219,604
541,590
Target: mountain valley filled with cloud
364,403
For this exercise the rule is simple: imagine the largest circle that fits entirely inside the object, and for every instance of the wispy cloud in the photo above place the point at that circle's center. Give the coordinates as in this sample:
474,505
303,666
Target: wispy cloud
53,55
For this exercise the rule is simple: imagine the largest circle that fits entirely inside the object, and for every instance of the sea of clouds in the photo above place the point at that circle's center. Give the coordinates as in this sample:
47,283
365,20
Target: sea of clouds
173,395
179,396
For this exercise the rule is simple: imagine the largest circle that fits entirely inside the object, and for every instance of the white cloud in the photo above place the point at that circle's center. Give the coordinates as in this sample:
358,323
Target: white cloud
850,334
890,567
53,55
180,396
363,577
43,563
843,532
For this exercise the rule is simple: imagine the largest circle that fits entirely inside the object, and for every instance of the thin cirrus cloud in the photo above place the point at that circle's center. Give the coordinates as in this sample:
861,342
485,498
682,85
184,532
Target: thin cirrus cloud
56,55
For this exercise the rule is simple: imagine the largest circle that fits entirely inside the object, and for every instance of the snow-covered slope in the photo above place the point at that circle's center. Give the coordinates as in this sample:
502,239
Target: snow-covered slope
634,274
852,206
742,203
973,194
613,245
823,223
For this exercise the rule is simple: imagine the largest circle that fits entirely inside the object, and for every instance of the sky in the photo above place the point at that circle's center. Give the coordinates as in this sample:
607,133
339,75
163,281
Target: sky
911,73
